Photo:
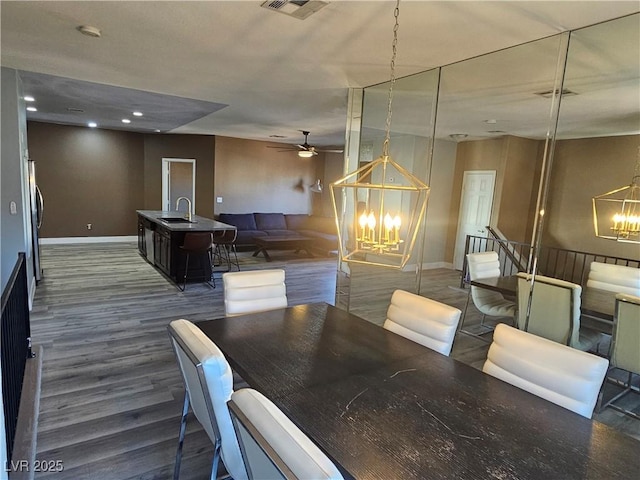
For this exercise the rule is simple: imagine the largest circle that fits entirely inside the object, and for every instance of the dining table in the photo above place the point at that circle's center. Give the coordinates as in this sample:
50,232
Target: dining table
383,407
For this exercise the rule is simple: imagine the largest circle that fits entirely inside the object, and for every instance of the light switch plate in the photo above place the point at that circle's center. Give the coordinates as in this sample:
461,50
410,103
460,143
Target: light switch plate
218,199
13,208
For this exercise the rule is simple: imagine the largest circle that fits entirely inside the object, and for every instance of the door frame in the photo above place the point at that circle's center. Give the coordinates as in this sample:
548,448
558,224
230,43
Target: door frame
465,175
166,162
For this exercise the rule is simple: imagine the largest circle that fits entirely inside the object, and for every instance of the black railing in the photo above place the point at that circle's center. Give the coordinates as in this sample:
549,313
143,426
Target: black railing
570,265
15,339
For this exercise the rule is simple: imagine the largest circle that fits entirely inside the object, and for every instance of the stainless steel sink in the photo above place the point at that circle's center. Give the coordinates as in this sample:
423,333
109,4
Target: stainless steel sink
175,220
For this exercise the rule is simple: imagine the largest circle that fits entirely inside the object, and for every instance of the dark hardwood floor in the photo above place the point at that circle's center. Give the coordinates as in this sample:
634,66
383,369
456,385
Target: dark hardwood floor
111,390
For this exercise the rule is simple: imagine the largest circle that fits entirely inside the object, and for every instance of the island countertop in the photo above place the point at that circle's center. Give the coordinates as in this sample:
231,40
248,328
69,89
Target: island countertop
197,223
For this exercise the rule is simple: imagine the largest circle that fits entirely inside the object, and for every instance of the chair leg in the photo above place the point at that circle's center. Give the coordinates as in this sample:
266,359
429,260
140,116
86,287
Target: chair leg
628,387
183,428
186,271
464,313
235,254
216,460
211,278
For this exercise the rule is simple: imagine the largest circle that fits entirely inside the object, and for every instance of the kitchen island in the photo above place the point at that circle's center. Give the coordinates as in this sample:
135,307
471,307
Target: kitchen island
160,235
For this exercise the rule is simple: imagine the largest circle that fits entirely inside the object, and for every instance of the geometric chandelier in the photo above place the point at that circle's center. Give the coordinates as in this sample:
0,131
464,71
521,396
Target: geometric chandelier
387,202
616,214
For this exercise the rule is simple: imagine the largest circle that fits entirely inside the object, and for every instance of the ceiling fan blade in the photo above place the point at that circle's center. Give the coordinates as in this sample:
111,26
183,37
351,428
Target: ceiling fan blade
283,148
330,151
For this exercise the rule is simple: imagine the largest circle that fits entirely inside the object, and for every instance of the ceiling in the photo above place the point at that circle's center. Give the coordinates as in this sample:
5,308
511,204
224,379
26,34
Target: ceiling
234,68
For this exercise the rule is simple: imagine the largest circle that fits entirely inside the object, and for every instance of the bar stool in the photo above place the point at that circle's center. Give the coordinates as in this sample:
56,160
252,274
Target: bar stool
225,243
197,243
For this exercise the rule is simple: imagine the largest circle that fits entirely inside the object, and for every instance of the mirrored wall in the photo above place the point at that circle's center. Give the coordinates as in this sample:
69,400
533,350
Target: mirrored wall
482,133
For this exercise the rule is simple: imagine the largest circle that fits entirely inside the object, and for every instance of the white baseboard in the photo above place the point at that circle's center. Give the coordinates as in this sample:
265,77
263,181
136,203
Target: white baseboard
68,240
434,265
428,266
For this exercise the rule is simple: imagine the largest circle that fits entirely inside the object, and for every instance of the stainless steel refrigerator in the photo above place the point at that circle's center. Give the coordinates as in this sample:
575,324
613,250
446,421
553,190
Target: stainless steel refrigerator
37,210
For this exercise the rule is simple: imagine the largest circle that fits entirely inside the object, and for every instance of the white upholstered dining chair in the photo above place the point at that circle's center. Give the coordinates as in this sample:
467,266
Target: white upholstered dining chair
425,321
489,303
272,446
614,278
555,311
624,352
558,373
254,291
208,387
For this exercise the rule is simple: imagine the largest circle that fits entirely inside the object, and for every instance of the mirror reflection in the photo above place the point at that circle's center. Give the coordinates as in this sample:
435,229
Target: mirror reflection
493,132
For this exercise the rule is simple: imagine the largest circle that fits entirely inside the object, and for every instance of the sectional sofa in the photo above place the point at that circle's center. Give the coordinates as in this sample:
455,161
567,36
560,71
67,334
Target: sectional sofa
250,225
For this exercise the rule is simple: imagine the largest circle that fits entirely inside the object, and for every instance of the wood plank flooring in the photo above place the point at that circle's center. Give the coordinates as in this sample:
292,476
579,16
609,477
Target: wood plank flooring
111,390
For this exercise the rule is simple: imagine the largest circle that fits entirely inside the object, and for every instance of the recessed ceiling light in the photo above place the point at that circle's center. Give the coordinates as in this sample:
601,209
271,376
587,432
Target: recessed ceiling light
126,120
137,114
29,98
92,124
157,130
491,121
32,109
89,31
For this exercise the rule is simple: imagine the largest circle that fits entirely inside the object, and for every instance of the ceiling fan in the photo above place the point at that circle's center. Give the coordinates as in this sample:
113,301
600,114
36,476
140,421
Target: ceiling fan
305,150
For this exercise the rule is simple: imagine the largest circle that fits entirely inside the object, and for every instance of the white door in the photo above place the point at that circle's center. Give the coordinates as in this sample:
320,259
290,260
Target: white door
476,201
178,180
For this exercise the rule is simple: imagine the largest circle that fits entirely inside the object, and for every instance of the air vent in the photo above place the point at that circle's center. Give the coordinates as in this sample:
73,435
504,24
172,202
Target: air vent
547,94
299,9
75,110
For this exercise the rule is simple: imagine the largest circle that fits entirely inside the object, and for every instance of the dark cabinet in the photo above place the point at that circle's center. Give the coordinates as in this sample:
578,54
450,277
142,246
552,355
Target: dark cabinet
162,250
160,245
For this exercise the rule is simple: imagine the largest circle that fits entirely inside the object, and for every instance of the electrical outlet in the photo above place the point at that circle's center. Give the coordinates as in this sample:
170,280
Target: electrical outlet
89,226
13,208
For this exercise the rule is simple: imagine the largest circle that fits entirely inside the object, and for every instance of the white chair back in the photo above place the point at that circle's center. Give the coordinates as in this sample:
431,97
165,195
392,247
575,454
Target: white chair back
563,375
487,265
625,342
614,278
483,265
425,321
209,383
555,308
272,446
254,291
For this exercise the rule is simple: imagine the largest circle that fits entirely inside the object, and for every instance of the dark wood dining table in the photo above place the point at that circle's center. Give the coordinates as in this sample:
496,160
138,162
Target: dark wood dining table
384,407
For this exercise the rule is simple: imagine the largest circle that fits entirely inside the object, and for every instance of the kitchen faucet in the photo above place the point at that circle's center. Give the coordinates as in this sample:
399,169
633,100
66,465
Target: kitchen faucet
188,214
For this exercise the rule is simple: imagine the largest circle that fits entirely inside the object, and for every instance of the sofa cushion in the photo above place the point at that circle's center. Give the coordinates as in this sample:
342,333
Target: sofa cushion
242,221
297,221
282,233
270,221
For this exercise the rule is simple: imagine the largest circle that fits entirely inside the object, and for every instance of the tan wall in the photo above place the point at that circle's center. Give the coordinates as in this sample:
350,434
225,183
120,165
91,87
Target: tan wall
519,189
200,147
102,176
253,178
438,218
581,169
472,155
87,176
517,163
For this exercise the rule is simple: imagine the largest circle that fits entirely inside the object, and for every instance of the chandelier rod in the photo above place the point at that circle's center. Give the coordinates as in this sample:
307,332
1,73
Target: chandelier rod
392,81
